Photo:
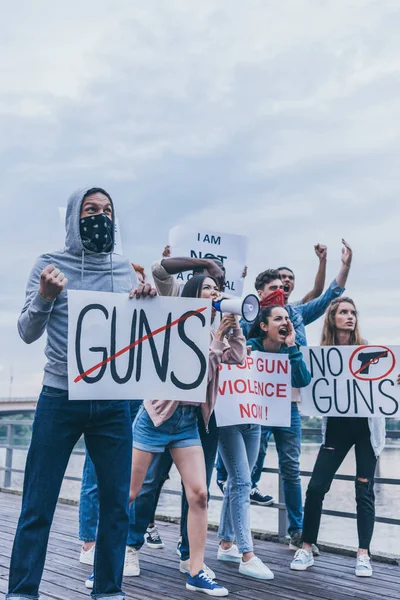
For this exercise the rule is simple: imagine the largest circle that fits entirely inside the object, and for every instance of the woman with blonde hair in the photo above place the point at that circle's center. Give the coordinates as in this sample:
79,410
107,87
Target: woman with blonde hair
367,435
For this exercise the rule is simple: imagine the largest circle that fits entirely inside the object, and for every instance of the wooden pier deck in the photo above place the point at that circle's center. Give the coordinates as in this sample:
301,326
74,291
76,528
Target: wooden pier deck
331,578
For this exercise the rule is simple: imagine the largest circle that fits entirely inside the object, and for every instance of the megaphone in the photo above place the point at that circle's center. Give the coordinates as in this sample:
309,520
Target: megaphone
247,307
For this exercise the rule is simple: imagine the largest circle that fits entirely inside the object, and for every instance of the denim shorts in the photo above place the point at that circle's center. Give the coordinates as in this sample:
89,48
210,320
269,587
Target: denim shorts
179,431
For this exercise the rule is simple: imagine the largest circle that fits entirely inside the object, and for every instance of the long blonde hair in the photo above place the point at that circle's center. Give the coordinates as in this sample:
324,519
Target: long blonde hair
329,331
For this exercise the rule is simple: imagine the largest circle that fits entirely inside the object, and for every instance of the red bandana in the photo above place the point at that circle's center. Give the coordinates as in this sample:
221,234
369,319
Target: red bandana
276,297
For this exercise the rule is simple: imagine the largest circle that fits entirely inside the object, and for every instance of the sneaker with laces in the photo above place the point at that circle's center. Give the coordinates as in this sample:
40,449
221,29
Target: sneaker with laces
363,566
202,583
296,542
184,567
302,560
86,557
131,564
255,568
90,581
222,485
257,497
153,538
231,554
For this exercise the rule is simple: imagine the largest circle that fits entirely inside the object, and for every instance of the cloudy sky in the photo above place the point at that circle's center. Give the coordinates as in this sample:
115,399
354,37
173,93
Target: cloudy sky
278,120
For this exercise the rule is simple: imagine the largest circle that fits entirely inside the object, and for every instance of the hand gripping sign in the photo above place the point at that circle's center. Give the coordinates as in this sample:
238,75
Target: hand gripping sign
122,349
352,381
230,249
259,391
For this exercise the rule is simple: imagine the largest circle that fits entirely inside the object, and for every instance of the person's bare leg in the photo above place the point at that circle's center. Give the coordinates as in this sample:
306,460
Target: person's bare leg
140,463
86,546
191,466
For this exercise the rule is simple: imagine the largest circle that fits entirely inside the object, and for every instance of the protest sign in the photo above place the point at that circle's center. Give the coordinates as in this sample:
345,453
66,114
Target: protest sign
259,391
352,381
121,348
62,211
200,243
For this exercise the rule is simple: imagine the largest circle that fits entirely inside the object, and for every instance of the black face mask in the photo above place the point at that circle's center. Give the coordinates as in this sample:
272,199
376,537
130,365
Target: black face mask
97,233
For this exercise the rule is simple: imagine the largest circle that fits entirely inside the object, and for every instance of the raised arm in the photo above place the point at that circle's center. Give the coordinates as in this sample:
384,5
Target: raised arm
311,311
174,265
44,285
301,376
347,255
319,283
228,348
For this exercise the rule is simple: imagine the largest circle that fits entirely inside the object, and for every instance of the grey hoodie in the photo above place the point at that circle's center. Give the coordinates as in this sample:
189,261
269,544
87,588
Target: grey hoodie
85,270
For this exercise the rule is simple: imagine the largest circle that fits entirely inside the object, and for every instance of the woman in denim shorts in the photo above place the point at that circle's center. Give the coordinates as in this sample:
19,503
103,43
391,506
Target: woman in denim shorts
162,424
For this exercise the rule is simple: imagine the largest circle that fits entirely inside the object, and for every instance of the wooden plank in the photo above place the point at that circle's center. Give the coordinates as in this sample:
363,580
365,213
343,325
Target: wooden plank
332,577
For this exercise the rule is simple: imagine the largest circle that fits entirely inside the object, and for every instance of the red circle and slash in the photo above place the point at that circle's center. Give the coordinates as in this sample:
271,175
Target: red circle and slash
356,372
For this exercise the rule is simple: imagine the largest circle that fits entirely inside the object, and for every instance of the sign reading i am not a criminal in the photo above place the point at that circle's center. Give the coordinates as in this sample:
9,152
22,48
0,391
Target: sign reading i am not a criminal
230,249
121,348
352,381
259,391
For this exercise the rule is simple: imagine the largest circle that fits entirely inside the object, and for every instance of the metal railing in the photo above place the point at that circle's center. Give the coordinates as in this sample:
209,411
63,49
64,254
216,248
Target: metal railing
8,469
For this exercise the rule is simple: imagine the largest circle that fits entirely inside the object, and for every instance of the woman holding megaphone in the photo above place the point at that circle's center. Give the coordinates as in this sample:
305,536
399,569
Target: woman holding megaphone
162,424
367,435
239,445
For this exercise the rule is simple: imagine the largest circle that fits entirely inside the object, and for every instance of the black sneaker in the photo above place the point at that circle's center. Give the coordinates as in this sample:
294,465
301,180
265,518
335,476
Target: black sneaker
152,538
222,485
296,542
257,497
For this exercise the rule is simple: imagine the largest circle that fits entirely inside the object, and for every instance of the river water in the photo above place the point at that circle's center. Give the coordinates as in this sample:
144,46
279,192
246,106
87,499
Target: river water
341,497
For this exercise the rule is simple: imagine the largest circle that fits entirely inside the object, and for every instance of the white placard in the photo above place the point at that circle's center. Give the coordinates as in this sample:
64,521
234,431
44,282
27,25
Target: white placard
201,243
352,381
62,211
107,360
258,391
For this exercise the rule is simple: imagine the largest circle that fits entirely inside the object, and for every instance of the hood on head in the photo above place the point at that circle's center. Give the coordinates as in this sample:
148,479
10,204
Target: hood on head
73,241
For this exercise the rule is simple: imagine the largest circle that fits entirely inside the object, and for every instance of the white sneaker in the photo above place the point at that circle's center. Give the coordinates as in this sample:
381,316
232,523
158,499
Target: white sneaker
231,554
86,557
363,566
131,564
255,568
302,560
184,567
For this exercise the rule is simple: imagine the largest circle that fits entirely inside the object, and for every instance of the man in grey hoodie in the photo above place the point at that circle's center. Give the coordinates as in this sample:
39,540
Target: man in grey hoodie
86,263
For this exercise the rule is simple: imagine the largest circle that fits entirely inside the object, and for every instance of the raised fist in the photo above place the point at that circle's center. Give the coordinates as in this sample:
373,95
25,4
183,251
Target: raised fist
52,282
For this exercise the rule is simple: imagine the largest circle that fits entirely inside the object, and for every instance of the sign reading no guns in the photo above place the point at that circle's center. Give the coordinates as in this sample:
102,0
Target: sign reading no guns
352,381
122,349
259,391
230,249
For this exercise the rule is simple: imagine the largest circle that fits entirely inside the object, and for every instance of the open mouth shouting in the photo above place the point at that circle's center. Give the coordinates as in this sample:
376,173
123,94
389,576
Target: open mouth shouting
286,288
283,331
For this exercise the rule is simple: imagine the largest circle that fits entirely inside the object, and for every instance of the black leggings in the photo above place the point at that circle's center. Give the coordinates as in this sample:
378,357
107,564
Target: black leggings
341,434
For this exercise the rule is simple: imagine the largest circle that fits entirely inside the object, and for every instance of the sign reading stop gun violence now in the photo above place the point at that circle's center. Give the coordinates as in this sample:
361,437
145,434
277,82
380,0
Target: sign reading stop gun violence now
259,391
121,348
352,381
230,249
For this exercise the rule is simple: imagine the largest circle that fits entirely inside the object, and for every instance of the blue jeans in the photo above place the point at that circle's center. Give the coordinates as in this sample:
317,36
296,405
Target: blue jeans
57,427
209,441
222,474
288,446
258,467
238,446
89,501
143,508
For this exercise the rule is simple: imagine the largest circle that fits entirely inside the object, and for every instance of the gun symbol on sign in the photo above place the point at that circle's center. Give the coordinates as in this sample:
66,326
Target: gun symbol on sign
370,358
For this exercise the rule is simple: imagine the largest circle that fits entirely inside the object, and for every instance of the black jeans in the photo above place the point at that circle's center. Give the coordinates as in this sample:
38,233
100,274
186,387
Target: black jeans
341,434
